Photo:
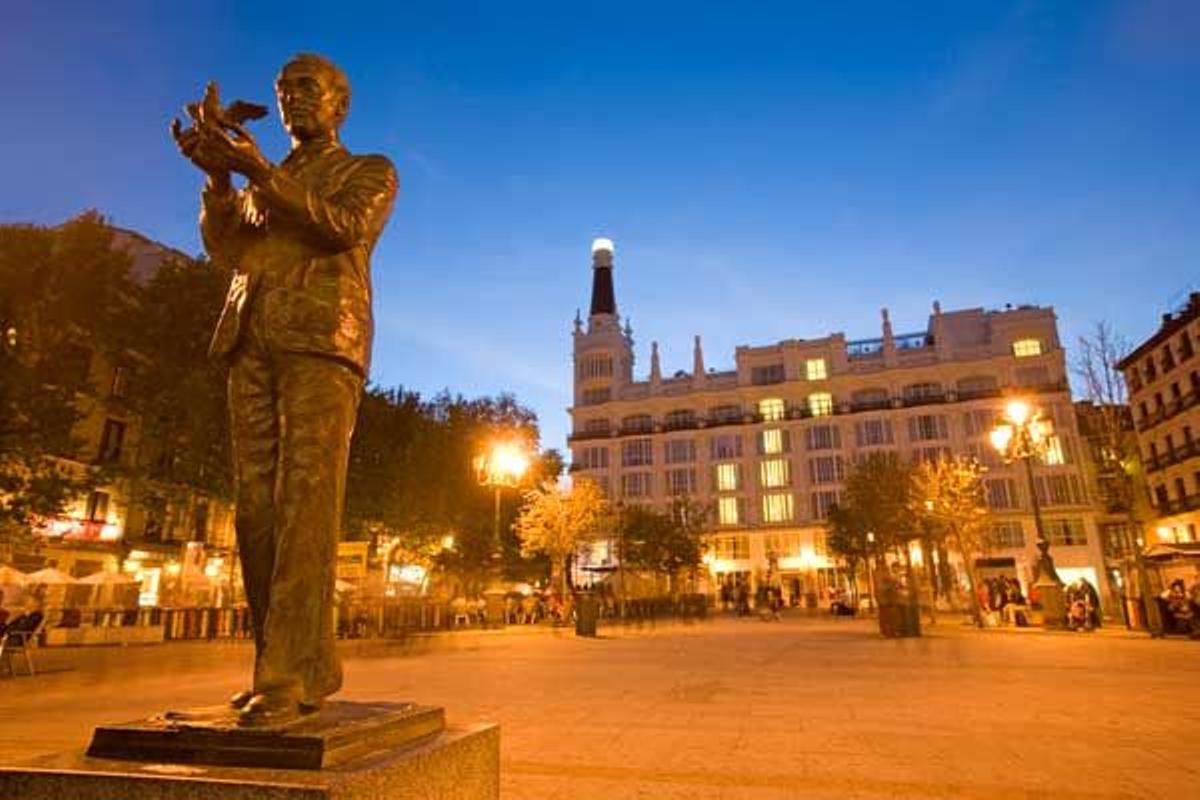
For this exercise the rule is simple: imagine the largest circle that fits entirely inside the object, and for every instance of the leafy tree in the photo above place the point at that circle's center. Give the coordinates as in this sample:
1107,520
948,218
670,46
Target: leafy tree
65,294
179,393
846,537
948,495
411,476
876,498
664,542
554,521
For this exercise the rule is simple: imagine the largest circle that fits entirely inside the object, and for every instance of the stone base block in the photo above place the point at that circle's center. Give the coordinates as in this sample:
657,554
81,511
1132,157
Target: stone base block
455,764
212,736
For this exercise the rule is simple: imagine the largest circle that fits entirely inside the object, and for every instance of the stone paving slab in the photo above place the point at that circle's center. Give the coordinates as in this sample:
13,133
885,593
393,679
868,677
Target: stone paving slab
809,708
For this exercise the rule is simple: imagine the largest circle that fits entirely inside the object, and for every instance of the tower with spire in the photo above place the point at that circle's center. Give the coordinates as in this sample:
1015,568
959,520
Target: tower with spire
603,350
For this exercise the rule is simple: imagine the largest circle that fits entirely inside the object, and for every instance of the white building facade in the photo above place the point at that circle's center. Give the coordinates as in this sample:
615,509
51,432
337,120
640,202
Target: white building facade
767,444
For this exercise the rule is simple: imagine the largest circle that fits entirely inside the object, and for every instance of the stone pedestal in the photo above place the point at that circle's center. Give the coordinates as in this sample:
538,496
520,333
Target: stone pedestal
212,736
349,751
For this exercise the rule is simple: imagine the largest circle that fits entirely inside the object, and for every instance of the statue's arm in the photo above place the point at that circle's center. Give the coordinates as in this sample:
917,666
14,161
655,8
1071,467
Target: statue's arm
220,218
354,214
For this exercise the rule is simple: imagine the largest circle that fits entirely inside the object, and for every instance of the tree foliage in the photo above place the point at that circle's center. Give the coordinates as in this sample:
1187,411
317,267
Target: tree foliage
69,293
876,500
667,542
554,521
58,288
948,495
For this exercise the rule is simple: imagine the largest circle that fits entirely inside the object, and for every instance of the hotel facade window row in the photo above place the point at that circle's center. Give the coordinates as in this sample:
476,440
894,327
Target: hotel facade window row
767,444
1163,378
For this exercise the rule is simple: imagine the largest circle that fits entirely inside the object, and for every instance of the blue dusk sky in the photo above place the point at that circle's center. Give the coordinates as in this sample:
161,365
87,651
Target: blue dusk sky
767,170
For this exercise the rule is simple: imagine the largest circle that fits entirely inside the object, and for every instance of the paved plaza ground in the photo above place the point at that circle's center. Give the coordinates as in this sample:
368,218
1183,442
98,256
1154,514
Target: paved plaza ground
812,708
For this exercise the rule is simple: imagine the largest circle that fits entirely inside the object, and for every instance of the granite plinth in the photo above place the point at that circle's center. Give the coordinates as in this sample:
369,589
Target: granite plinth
455,764
212,736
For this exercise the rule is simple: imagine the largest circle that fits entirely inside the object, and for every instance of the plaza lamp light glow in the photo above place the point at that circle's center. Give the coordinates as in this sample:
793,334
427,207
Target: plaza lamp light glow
502,466
1025,436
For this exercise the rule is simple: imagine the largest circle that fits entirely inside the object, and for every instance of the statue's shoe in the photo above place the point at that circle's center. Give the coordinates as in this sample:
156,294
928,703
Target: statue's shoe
311,706
240,699
268,710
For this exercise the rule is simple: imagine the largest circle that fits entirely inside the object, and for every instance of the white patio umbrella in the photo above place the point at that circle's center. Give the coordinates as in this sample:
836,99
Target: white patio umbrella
12,586
112,589
12,577
50,577
49,586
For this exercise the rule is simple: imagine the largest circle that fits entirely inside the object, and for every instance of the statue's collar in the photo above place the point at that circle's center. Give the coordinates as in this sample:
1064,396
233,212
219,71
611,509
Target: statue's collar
309,151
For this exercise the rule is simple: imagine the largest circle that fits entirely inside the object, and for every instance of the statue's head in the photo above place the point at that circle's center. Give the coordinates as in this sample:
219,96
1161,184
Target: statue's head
314,96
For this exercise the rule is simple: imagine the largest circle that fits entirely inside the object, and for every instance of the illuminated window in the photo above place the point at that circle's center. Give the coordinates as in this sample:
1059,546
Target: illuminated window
777,507
775,473
820,404
1054,451
814,369
729,511
784,545
728,477
732,547
771,409
773,441
1027,347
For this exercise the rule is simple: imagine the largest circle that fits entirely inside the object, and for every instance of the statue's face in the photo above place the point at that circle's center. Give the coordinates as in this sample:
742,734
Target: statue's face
309,101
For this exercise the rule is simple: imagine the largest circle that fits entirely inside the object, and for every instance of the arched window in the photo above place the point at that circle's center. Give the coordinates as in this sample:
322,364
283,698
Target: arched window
637,423
923,393
680,419
869,399
976,386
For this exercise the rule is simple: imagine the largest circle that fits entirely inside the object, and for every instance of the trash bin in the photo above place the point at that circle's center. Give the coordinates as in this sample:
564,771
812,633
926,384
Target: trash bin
912,620
889,620
586,611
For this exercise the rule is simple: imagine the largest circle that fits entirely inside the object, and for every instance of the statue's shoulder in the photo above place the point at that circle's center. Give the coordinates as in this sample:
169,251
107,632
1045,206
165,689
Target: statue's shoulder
374,166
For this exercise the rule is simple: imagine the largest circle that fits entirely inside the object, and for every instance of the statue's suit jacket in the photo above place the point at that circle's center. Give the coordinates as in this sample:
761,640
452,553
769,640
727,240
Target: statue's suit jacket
300,250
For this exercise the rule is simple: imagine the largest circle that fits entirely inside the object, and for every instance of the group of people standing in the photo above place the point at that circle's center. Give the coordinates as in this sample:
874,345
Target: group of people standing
1181,607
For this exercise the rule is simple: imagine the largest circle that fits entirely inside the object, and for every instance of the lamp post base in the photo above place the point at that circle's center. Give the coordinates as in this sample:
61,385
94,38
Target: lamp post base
495,601
1054,610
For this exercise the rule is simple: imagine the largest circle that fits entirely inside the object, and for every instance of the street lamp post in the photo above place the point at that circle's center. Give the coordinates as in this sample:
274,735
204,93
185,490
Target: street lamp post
500,467
1024,435
870,571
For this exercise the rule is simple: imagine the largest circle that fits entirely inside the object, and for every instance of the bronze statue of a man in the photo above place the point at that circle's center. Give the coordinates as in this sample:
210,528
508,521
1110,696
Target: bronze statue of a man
296,331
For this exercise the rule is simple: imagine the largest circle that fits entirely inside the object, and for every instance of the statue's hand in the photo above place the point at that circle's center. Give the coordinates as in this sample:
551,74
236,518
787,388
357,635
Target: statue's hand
236,149
195,144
